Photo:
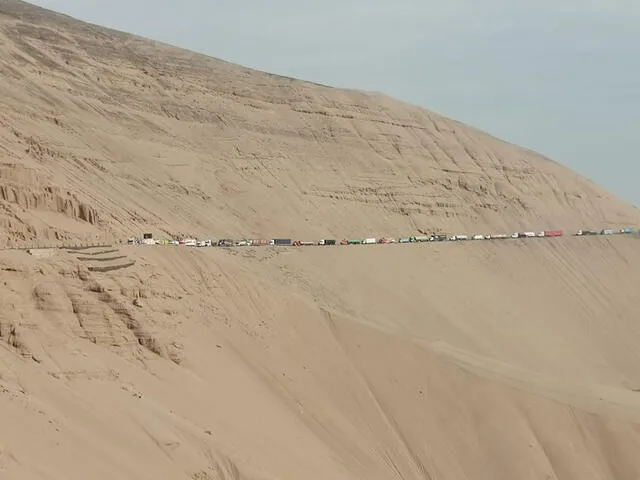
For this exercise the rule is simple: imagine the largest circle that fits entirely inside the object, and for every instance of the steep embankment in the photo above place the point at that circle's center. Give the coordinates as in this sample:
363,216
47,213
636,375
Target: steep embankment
484,361
103,132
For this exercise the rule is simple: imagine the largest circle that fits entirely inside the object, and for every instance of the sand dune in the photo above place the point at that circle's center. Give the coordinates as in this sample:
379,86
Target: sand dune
484,361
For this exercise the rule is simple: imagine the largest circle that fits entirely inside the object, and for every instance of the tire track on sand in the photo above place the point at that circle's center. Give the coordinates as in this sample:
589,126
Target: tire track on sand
419,468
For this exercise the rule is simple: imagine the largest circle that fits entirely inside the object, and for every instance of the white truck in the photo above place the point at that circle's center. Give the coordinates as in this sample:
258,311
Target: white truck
369,241
147,239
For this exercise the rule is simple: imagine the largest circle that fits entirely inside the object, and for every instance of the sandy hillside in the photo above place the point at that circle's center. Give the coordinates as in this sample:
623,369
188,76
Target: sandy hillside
106,133
498,360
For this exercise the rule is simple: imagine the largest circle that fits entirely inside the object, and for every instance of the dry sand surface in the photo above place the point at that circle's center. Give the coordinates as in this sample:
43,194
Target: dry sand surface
513,359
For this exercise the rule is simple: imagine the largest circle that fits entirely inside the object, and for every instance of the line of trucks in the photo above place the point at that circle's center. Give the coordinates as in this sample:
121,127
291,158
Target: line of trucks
192,242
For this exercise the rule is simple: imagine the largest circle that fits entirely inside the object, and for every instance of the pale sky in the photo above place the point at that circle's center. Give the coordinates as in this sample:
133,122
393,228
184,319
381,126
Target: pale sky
561,77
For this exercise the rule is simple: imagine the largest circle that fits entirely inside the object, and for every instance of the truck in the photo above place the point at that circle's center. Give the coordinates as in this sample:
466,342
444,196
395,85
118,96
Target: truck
325,241
369,241
420,238
627,230
147,239
404,240
606,231
354,241
553,233
282,241
478,237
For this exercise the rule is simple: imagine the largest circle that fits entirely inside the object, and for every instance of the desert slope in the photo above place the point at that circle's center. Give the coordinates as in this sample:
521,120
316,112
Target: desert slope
104,133
382,362
475,361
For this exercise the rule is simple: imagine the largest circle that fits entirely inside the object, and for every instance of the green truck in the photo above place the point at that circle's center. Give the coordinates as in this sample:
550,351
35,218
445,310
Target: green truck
420,238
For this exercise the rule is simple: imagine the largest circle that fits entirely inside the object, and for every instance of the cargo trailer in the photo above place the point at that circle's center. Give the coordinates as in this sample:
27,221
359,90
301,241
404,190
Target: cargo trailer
420,238
147,239
282,241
